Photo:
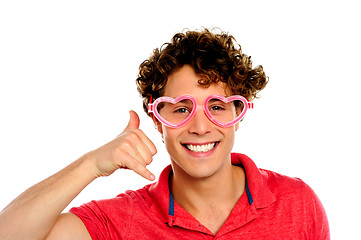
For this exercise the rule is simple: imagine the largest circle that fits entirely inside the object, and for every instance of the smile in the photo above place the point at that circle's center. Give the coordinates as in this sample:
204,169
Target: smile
200,148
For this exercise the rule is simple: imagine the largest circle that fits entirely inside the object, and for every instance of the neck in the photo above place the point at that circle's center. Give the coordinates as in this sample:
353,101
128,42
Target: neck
219,191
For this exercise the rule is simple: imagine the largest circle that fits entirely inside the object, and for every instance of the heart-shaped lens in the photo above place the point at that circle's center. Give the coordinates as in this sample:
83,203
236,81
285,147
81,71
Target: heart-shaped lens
174,112
225,111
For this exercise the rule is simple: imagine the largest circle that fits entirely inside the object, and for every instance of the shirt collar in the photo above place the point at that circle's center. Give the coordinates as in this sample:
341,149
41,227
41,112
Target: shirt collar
258,190
160,194
258,193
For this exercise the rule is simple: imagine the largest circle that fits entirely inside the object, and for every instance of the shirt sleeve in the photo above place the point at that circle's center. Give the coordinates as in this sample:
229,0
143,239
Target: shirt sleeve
106,219
317,219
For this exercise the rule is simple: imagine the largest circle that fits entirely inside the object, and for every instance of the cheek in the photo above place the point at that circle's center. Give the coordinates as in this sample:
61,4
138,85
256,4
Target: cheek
169,135
230,136
171,143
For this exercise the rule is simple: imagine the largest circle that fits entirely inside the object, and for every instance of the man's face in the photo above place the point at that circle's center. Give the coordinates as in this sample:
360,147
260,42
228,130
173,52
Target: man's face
217,141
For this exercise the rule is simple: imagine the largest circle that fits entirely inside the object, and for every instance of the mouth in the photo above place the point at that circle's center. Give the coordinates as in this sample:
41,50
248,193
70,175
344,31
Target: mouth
200,148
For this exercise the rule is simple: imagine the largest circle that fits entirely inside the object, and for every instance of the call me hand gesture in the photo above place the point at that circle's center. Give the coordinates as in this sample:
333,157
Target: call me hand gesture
132,149
36,213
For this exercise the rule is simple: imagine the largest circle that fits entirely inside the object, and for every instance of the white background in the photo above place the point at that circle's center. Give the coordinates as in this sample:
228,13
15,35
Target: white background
68,69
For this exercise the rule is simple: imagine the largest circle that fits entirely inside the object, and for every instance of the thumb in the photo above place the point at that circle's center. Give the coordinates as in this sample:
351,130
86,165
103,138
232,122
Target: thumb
133,121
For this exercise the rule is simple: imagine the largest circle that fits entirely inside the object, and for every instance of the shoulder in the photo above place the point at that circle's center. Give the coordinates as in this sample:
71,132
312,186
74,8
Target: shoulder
290,188
122,202
287,201
113,217
265,183
297,199
279,183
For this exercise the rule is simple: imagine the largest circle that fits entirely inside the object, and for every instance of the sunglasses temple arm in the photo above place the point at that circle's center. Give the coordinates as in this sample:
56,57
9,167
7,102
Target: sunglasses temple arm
150,108
150,105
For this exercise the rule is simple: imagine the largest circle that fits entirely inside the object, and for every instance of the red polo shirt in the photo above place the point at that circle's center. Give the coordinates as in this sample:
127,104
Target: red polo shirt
272,207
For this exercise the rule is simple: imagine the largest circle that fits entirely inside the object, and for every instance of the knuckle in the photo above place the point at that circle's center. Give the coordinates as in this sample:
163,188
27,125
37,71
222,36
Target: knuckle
136,131
148,159
154,150
133,136
127,143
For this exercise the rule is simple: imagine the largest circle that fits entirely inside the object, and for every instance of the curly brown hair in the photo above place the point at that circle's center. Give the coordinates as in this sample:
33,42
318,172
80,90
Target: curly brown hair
215,56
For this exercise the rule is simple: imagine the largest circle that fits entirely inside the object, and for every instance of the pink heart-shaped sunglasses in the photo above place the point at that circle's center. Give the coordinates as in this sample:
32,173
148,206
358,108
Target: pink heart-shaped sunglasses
176,112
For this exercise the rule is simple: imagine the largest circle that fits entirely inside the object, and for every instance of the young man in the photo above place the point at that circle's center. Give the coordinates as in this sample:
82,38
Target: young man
196,89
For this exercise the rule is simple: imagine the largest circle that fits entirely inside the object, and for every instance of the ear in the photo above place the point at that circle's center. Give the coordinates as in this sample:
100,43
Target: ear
236,126
157,123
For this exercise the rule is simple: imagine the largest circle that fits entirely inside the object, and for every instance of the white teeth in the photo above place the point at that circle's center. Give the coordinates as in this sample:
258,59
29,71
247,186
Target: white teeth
201,148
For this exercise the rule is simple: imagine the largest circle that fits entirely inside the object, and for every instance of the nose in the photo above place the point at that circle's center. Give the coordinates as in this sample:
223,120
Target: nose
200,124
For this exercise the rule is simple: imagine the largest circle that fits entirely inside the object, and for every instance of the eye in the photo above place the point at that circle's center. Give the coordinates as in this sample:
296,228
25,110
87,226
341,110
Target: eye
217,108
181,110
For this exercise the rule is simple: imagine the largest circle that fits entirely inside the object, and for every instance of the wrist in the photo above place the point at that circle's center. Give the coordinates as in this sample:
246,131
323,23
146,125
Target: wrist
88,167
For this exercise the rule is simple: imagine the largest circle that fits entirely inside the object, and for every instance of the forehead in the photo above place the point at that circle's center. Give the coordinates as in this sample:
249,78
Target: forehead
185,81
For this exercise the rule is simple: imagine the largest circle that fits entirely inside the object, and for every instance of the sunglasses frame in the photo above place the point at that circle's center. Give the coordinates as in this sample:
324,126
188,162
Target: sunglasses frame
152,108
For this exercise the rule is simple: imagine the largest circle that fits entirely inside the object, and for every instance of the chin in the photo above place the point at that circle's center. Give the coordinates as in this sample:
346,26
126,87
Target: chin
198,170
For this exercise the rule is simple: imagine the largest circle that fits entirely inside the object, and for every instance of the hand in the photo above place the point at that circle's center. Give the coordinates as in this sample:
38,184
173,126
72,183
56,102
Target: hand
132,149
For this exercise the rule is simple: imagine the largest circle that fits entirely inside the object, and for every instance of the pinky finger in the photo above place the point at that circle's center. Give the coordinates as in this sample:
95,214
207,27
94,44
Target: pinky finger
142,171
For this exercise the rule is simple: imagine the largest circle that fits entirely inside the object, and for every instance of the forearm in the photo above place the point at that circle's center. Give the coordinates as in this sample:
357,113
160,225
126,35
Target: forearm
33,213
